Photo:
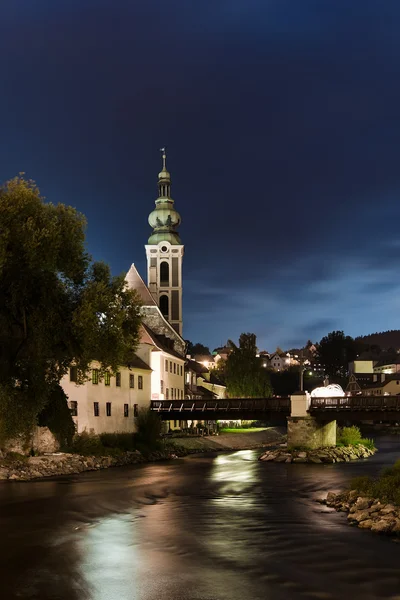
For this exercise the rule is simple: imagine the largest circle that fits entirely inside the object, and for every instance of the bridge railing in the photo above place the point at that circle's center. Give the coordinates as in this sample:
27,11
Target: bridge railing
383,403
227,405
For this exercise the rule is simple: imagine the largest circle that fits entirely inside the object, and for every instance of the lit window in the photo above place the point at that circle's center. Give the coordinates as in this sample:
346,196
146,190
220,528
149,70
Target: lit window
188,378
107,378
73,374
131,381
126,410
73,406
140,382
96,411
95,376
118,379
108,409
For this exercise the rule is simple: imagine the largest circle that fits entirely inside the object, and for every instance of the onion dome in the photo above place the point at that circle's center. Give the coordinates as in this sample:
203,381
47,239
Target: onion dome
164,219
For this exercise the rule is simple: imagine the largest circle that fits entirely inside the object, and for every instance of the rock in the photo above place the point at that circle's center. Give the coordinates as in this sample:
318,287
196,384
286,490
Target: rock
330,499
315,460
396,527
300,460
383,525
366,524
302,455
359,515
3,473
353,495
282,458
362,503
389,509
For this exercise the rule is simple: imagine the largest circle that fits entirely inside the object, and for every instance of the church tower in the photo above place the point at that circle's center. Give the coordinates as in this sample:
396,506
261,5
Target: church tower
164,252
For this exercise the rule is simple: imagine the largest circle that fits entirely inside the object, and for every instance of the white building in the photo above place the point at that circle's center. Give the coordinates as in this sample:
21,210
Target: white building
110,404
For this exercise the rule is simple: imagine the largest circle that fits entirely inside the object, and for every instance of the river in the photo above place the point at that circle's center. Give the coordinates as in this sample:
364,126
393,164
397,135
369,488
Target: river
223,527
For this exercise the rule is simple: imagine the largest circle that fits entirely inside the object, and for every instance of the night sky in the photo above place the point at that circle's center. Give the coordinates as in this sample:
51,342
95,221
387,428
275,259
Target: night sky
281,121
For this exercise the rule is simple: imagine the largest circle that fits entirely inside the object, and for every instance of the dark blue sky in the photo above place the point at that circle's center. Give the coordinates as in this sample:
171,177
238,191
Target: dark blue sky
281,119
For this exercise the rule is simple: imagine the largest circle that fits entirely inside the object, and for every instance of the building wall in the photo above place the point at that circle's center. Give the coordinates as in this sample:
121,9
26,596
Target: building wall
391,387
361,366
88,393
171,377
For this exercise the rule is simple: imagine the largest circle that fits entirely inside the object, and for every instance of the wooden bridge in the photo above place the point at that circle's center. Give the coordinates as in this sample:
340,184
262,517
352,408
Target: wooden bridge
349,408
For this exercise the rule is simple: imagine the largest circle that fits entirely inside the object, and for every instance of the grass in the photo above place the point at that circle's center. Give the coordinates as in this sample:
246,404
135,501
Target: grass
239,430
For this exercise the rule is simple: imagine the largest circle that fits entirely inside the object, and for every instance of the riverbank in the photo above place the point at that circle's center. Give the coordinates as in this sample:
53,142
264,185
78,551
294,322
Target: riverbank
20,468
320,455
366,513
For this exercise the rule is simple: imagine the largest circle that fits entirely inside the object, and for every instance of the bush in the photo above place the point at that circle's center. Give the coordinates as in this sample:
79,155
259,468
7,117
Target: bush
351,436
57,417
87,444
386,487
148,428
122,441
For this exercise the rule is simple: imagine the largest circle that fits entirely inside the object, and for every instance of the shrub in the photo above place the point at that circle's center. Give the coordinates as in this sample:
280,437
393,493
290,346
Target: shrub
386,487
87,444
148,434
57,417
351,436
122,441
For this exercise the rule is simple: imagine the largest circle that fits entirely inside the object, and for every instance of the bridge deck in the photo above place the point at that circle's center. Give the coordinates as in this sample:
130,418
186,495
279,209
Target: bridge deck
352,408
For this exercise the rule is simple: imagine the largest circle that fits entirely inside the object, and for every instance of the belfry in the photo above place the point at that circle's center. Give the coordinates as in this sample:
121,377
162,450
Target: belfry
164,252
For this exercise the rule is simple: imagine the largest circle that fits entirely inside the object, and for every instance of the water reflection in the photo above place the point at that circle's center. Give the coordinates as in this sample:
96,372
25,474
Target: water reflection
223,528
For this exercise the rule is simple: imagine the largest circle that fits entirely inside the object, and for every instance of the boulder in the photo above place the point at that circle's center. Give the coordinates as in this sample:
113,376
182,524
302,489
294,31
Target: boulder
362,503
389,509
366,524
383,525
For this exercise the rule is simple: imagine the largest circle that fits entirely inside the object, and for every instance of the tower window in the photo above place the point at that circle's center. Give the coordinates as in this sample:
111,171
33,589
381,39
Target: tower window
164,306
164,273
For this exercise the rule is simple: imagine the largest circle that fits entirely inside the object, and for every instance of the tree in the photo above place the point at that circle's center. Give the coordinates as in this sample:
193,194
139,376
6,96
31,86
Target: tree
244,374
194,349
57,307
334,352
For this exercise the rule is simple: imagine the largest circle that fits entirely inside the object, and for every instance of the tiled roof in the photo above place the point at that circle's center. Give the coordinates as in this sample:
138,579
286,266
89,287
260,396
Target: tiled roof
137,363
161,342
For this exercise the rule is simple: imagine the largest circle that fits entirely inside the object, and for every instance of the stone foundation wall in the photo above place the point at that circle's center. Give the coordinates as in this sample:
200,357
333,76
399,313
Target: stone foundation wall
41,440
307,432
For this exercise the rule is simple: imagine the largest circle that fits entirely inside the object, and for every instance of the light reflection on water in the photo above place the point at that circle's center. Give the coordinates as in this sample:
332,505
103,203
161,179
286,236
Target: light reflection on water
206,528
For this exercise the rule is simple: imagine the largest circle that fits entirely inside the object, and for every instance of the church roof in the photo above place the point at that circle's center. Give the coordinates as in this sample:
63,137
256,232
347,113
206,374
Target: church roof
161,342
135,282
135,362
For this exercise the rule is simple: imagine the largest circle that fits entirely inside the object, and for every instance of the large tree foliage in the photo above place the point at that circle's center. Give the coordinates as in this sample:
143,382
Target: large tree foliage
195,349
244,374
334,352
57,307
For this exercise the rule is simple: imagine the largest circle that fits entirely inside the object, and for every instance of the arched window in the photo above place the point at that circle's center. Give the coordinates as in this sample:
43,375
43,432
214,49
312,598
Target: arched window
164,306
164,274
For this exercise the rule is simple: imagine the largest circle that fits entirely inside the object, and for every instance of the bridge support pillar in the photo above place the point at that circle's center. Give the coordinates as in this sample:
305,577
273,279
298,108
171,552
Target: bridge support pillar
307,431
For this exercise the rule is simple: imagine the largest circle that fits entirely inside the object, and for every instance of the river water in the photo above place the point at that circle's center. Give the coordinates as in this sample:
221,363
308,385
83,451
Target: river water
223,527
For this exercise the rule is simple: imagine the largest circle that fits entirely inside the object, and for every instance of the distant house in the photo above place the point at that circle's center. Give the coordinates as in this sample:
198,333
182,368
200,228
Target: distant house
279,362
389,385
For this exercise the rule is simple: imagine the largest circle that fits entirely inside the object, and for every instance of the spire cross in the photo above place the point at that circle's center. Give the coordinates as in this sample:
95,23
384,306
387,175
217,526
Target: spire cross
164,157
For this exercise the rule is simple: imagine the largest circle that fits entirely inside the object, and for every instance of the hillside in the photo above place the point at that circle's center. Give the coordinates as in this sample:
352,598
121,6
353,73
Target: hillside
384,339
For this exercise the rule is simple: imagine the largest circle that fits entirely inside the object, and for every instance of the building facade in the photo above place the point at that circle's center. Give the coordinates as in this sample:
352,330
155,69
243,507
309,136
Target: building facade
109,404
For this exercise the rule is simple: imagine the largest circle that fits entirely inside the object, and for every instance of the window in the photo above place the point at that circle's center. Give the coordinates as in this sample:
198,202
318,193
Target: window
167,394
140,382
172,393
107,378
126,410
170,366
164,274
188,378
135,410
118,379
96,409
73,407
108,409
166,365
73,374
161,386
131,381
95,376
175,368
181,371
164,306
